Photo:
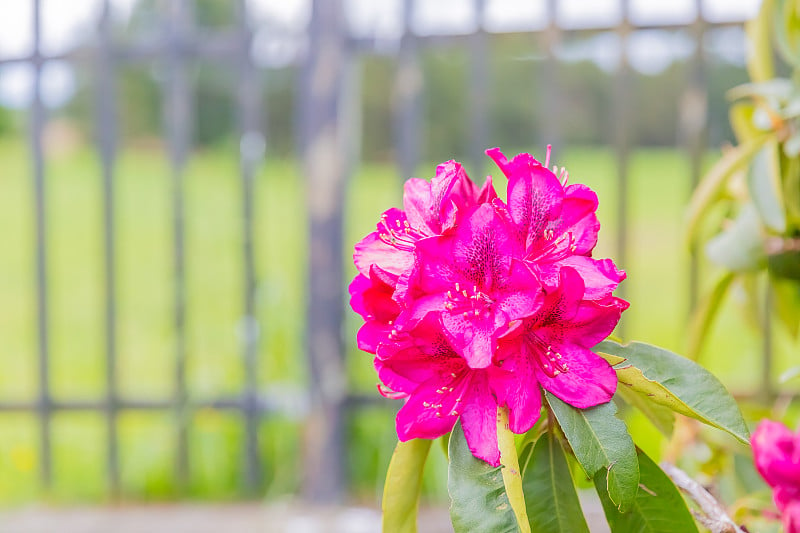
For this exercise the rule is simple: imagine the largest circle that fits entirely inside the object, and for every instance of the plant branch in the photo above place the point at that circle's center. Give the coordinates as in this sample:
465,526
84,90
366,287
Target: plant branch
713,515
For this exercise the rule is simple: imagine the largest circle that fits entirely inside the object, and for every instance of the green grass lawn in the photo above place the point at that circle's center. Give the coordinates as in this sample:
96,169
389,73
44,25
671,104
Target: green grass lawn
656,287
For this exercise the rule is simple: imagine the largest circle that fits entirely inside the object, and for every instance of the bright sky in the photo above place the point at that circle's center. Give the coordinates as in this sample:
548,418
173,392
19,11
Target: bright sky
66,22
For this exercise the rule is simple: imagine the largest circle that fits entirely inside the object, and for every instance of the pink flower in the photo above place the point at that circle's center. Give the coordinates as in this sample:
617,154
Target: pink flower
430,209
555,223
440,387
371,297
472,279
552,348
777,456
471,303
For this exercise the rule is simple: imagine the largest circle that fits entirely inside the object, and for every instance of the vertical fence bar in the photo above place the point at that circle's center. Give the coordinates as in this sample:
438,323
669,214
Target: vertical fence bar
478,91
251,148
693,130
325,170
105,127
550,132
177,113
622,122
407,97
36,125
768,357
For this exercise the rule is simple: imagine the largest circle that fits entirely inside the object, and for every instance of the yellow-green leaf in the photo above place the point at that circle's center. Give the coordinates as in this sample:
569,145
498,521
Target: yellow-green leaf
759,52
714,181
511,472
403,482
677,383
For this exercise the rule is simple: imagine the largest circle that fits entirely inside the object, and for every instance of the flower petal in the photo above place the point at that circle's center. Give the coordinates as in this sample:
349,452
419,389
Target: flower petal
588,381
479,420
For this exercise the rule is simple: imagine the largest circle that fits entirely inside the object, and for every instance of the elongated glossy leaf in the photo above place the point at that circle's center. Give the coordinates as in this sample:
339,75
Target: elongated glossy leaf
658,507
550,497
403,482
601,443
706,312
661,417
478,499
764,182
509,462
714,181
741,246
676,382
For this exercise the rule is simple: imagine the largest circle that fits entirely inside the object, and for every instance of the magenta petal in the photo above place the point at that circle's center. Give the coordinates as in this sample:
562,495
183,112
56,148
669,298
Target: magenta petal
791,515
371,334
473,337
600,277
371,250
479,420
579,219
595,321
482,249
487,193
516,387
428,413
524,296
588,381
356,288
417,202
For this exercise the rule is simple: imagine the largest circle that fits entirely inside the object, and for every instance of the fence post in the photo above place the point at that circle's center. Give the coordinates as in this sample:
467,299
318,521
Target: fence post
693,128
622,121
251,153
478,93
106,132
37,122
324,166
551,101
177,113
406,97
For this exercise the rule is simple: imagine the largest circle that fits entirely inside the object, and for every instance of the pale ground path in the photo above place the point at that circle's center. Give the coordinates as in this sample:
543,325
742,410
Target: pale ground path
281,517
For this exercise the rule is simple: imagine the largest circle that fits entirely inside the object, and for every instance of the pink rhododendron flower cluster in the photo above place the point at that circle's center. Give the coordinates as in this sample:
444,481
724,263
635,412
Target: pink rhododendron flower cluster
777,456
470,302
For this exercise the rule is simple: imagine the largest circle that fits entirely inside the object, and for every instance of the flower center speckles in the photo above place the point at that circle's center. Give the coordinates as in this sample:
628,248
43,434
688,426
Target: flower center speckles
470,304
550,361
554,250
398,234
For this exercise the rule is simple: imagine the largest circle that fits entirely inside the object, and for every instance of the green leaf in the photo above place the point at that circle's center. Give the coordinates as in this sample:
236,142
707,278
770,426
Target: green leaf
706,312
740,247
760,65
660,416
658,507
741,118
678,383
764,182
550,497
403,483
791,185
787,31
601,443
478,499
714,181
775,89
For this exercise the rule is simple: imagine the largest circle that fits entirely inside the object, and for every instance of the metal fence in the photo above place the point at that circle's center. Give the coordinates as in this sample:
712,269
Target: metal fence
327,116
